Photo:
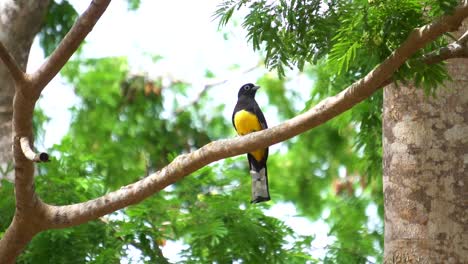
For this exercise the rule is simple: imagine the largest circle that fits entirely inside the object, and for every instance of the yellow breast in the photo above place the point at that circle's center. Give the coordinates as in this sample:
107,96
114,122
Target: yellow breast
247,122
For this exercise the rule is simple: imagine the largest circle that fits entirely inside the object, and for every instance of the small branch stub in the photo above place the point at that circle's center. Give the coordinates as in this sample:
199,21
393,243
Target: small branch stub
30,154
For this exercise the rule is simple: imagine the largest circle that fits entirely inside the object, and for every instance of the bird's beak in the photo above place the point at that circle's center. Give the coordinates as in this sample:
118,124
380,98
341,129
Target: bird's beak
255,88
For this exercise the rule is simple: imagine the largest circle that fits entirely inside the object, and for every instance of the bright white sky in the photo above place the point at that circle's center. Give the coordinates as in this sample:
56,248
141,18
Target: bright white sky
184,33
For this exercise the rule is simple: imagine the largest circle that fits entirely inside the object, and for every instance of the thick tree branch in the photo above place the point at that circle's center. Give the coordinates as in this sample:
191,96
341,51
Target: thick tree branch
13,243
70,215
11,64
23,108
69,44
24,102
26,222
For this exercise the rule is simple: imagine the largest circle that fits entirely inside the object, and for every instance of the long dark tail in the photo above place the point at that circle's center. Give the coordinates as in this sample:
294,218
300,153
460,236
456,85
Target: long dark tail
260,191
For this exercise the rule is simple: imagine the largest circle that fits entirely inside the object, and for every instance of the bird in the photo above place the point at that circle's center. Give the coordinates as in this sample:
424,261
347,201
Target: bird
247,118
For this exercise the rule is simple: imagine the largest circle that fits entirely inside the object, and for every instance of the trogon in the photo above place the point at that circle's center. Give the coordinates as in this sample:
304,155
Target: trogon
247,118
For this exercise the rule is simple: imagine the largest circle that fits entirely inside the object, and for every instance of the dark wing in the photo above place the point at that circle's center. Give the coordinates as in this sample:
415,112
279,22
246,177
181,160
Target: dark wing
236,109
258,112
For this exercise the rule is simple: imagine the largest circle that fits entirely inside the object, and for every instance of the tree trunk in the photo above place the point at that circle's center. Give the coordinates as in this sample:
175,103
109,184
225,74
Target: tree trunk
20,20
425,160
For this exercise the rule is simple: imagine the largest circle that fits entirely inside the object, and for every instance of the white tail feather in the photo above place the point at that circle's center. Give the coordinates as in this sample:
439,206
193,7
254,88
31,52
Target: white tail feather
259,186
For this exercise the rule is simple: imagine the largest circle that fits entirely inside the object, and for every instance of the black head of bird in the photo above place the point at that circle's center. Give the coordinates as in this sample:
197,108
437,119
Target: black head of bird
248,90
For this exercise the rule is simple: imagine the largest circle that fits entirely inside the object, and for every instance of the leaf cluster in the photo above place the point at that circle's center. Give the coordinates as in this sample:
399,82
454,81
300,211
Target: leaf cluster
351,36
59,19
291,32
123,129
127,126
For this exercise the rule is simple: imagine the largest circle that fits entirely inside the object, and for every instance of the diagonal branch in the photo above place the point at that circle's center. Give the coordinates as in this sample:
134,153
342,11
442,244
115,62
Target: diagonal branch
11,64
69,44
464,38
457,49
70,215
23,103
28,88
207,87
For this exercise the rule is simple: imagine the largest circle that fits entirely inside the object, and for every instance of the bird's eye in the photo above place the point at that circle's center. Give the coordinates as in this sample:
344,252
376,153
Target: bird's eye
246,87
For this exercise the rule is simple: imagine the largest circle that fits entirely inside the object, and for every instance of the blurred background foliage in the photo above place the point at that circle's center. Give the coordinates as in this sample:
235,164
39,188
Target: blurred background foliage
128,125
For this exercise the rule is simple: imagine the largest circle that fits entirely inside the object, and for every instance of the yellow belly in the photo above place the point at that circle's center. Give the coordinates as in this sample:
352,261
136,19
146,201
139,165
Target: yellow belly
247,122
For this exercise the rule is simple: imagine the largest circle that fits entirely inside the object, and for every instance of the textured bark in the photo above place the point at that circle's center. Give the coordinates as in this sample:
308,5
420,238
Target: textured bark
426,172
20,20
28,219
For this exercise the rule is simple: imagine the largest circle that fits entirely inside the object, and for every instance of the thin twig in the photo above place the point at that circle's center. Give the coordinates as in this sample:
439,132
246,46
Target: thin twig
31,154
11,64
207,87
464,38
69,44
456,49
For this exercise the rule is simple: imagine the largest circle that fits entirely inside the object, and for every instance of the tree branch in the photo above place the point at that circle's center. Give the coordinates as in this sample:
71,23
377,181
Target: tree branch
11,64
24,102
206,88
15,239
70,215
457,49
68,45
26,222
30,154
464,38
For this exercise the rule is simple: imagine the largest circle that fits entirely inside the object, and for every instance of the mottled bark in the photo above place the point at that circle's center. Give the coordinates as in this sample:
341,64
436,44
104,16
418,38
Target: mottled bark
20,20
28,219
426,172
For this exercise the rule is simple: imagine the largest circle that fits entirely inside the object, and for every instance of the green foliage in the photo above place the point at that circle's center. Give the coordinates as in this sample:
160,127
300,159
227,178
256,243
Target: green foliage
358,36
90,243
346,34
219,232
127,126
354,241
132,134
7,205
294,32
278,95
133,4
59,19
126,112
